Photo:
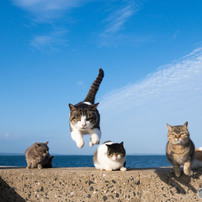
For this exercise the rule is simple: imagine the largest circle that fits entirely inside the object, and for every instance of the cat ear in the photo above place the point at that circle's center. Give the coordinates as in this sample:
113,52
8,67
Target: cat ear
121,144
46,142
186,124
169,127
93,107
72,107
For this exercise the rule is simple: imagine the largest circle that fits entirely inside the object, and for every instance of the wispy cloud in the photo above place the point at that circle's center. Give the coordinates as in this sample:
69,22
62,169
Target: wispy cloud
49,43
43,10
172,95
116,21
50,13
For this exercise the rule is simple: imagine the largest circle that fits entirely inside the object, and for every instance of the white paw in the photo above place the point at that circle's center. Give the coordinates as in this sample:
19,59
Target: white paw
80,144
123,169
95,141
91,144
109,169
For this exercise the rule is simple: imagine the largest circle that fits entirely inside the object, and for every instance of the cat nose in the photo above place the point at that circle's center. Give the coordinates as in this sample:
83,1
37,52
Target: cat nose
84,125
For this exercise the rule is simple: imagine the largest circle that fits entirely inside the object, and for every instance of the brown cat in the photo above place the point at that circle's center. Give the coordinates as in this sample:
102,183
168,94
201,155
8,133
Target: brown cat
37,156
180,148
197,163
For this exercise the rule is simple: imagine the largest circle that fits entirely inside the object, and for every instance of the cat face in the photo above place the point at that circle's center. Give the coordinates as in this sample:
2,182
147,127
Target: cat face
84,116
42,148
178,134
116,151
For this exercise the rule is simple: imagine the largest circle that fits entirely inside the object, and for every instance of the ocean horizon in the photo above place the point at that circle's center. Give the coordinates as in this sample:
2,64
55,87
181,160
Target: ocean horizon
132,161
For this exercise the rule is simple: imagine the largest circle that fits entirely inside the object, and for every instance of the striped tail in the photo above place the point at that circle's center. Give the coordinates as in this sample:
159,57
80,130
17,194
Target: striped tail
94,88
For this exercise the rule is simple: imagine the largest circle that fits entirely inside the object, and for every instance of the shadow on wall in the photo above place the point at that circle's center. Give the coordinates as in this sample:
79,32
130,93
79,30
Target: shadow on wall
8,194
167,175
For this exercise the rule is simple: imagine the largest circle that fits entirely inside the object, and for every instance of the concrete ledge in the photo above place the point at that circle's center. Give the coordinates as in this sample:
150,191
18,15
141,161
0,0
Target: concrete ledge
89,184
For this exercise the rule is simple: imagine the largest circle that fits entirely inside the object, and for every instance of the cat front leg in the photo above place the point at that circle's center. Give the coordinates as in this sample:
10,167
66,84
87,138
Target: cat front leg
78,138
108,169
187,168
177,170
29,166
95,136
39,166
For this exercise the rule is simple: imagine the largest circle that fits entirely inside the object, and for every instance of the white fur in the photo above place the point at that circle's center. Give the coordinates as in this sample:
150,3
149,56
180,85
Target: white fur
83,127
105,163
88,103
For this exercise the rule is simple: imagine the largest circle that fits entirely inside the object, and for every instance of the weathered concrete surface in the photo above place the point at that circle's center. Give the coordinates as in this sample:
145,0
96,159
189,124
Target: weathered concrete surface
89,184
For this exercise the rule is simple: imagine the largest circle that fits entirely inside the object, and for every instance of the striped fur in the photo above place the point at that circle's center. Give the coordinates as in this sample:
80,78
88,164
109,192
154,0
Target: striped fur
180,149
94,88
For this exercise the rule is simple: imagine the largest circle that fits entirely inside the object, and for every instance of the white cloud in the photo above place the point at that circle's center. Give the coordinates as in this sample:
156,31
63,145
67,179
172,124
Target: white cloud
49,42
44,10
138,113
115,23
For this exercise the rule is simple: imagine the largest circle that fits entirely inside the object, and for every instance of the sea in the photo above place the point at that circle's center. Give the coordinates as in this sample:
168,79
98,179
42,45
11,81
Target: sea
132,161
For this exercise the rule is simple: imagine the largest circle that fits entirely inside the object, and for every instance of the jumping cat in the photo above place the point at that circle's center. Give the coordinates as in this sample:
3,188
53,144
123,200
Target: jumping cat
37,156
180,149
84,117
197,163
110,156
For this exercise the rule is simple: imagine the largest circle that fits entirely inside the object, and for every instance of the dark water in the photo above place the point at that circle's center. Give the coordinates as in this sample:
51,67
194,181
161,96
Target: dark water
132,161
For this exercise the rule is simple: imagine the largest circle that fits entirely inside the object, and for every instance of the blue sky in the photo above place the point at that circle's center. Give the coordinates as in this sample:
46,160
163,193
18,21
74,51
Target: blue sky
51,50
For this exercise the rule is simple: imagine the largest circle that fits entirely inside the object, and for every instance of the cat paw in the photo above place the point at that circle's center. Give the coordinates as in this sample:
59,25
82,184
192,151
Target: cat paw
40,166
93,142
189,173
80,144
177,174
109,169
123,169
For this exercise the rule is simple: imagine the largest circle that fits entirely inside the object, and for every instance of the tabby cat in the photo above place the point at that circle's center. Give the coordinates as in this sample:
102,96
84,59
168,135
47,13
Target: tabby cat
37,156
110,156
197,163
85,118
180,148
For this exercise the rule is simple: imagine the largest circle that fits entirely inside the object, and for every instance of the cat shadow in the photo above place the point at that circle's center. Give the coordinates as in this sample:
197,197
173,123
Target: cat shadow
7,193
167,176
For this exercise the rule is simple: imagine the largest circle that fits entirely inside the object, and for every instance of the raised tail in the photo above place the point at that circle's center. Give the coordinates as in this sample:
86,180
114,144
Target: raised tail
94,88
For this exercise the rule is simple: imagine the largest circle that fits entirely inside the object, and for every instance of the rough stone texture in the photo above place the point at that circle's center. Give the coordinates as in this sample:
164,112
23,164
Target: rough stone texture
89,184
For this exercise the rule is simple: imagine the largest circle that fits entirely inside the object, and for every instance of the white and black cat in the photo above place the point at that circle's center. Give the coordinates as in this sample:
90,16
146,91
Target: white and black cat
84,117
110,156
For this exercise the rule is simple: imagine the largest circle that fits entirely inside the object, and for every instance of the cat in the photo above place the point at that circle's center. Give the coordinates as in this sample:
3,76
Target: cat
180,149
110,156
37,156
84,117
197,163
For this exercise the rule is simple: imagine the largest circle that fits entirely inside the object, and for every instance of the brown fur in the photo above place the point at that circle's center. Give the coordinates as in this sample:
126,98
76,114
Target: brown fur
37,156
180,148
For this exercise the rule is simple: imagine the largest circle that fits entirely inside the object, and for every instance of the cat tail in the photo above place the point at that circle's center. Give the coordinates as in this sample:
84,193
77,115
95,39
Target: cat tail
94,88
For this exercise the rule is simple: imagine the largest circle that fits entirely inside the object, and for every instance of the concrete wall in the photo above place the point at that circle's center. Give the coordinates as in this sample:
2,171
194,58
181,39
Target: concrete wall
89,184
